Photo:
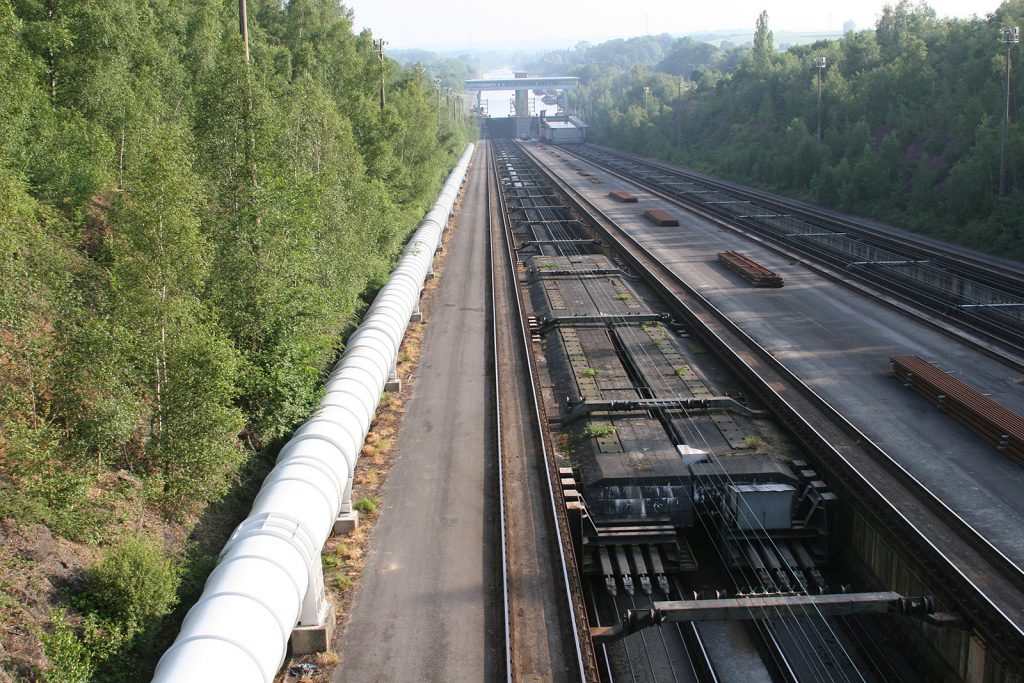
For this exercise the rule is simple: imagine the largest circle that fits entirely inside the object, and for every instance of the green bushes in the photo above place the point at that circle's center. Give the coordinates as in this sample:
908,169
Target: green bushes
70,658
132,585
126,594
911,119
184,239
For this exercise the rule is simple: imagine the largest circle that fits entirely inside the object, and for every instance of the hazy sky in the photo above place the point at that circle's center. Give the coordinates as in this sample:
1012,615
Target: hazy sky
424,23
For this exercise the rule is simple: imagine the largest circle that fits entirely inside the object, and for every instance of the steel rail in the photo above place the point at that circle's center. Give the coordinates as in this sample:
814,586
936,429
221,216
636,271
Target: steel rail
672,285
522,157
497,408
950,256
693,641
916,303
645,645
561,524
984,546
700,658
777,658
608,676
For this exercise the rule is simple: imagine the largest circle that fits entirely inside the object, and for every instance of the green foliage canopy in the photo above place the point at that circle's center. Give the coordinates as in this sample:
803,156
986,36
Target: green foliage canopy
912,112
185,238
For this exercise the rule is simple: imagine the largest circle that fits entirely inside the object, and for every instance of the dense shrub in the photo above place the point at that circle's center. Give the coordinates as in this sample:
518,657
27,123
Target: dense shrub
911,117
134,583
185,237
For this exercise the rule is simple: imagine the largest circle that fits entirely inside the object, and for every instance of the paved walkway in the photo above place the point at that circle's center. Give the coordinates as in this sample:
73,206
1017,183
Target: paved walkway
425,608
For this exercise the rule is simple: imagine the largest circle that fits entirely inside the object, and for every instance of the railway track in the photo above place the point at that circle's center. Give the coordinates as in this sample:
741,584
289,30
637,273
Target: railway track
979,299
672,653
543,635
994,270
980,580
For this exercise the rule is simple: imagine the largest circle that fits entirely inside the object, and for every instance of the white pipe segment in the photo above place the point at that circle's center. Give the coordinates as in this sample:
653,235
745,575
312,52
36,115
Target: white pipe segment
269,578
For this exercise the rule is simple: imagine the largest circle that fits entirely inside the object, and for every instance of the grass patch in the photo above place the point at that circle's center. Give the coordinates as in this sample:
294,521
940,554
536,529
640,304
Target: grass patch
366,506
682,370
598,430
335,558
622,297
370,477
589,372
755,442
341,581
547,265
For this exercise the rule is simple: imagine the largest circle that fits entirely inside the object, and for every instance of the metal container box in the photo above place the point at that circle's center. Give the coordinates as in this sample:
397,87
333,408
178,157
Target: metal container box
761,506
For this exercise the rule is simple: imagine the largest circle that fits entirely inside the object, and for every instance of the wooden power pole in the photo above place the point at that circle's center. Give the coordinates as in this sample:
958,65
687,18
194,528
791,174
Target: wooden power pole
243,27
378,49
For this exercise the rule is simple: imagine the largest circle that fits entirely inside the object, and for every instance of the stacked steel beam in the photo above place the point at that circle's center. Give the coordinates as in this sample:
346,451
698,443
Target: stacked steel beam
623,197
662,218
750,270
992,421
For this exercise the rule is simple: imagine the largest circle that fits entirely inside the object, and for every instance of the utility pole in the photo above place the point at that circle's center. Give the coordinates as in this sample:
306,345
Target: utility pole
378,49
1010,36
819,62
437,101
678,113
647,91
243,27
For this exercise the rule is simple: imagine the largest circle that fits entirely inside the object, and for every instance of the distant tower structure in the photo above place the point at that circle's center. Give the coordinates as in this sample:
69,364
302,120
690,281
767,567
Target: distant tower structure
522,117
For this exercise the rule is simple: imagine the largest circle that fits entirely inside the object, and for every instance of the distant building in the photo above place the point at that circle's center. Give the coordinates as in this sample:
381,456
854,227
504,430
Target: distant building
560,130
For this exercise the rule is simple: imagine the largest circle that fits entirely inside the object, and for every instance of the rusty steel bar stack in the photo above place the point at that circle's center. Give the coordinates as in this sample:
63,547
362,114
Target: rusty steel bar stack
662,218
992,421
750,270
623,197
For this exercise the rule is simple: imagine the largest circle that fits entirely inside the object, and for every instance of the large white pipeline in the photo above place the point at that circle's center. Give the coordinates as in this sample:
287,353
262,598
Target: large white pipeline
269,579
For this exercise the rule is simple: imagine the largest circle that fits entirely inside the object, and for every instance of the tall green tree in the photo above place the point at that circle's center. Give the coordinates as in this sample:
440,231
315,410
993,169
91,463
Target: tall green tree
764,44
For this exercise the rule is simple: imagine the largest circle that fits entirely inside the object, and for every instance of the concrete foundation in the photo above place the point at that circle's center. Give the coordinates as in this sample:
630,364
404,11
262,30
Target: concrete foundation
309,639
945,654
346,523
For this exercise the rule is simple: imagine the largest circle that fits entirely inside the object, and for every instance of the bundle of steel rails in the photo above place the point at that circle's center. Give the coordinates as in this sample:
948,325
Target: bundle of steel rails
750,270
992,421
662,218
623,197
